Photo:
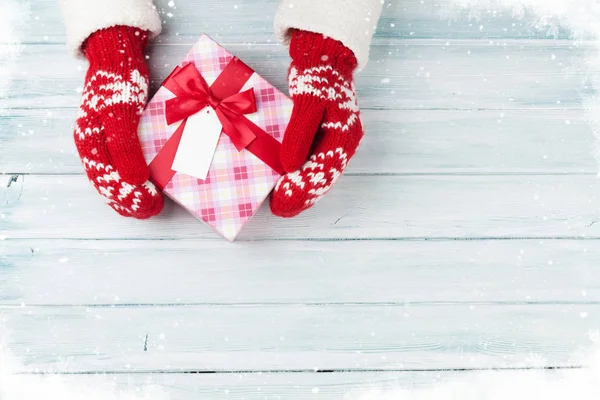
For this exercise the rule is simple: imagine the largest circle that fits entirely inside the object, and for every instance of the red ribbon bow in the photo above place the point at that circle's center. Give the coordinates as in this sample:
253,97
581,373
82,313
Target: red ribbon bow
193,94
197,95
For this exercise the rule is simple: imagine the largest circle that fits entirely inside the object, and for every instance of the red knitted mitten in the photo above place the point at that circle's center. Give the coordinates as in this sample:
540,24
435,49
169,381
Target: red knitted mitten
114,96
325,119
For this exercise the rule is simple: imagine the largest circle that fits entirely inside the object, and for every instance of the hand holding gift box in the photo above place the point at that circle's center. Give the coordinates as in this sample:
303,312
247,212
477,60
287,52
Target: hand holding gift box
211,136
324,129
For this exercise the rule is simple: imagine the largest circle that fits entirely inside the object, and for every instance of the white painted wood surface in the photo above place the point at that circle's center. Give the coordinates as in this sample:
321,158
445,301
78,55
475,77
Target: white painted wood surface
298,337
95,273
464,235
361,207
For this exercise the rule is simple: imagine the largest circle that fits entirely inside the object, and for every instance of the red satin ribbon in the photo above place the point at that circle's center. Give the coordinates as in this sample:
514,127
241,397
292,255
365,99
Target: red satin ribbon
193,94
197,95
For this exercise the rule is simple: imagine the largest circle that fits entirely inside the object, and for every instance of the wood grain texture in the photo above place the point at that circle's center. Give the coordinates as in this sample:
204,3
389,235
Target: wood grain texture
297,337
188,272
407,141
375,207
235,21
409,75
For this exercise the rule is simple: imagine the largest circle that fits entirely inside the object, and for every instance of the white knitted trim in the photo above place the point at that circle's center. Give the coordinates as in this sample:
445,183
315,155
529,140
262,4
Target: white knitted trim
84,17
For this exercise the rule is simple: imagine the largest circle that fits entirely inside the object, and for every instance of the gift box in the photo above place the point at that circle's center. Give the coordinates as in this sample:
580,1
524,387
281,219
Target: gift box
212,135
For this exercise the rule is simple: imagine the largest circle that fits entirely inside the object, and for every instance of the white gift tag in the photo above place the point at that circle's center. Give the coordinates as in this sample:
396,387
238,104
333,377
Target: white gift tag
198,144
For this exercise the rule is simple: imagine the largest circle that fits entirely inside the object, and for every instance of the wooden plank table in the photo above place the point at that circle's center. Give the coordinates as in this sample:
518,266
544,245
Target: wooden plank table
463,237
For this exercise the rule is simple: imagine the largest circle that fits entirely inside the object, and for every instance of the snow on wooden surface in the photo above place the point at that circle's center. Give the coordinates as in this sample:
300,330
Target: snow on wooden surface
464,235
263,385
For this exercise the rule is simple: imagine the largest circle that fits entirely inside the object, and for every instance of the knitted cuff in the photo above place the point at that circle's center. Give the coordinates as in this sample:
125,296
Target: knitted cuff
117,46
309,49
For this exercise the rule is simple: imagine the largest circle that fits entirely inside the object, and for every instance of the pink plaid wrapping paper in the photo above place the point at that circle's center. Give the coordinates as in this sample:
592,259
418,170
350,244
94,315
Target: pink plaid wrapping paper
238,182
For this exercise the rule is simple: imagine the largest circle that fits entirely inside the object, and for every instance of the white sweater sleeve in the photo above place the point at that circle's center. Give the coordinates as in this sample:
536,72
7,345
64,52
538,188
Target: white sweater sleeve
352,22
84,17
